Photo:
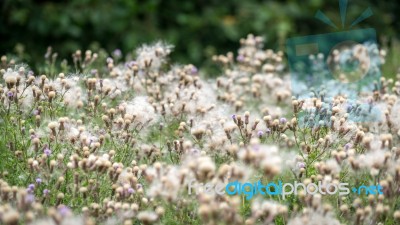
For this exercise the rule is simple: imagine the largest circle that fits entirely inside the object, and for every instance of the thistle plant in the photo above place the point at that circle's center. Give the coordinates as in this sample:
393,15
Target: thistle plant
118,142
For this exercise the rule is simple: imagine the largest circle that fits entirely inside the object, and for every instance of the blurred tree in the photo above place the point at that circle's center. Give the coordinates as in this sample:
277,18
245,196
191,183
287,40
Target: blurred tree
197,28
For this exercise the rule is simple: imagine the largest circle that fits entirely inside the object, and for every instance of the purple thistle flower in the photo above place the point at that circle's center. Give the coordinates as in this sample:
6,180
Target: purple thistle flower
283,120
349,108
46,192
347,146
31,186
195,151
47,151
260,133
131,191
268,131
301,165
93,71
109,60
255,147
91,140
240,58
10,94
30,198
194,70
64,210
38,180
117,53
132,63
234,118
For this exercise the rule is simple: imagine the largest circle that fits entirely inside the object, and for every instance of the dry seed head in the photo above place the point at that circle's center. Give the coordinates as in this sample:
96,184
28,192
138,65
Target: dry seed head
83,189
344,208
11,80
379,208
52,125
51,94
11,217
396,215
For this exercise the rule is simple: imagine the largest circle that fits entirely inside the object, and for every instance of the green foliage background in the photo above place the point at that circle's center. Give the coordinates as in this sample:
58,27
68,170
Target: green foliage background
198,28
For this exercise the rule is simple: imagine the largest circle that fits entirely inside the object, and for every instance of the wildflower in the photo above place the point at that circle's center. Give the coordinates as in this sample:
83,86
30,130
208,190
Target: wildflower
11,77
51,95
64,210
270,164
46,192
131,191
314,218
52,126
152,56
142,111
109,60
131,64
31,187
11,217
205,169
198,133
347,146
117,53
234,118
29,199
301,165
193,70
147,217
47,151
146,148
397,215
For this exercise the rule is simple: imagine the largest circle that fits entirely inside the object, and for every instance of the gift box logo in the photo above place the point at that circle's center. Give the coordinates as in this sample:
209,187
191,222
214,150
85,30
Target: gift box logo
326,66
